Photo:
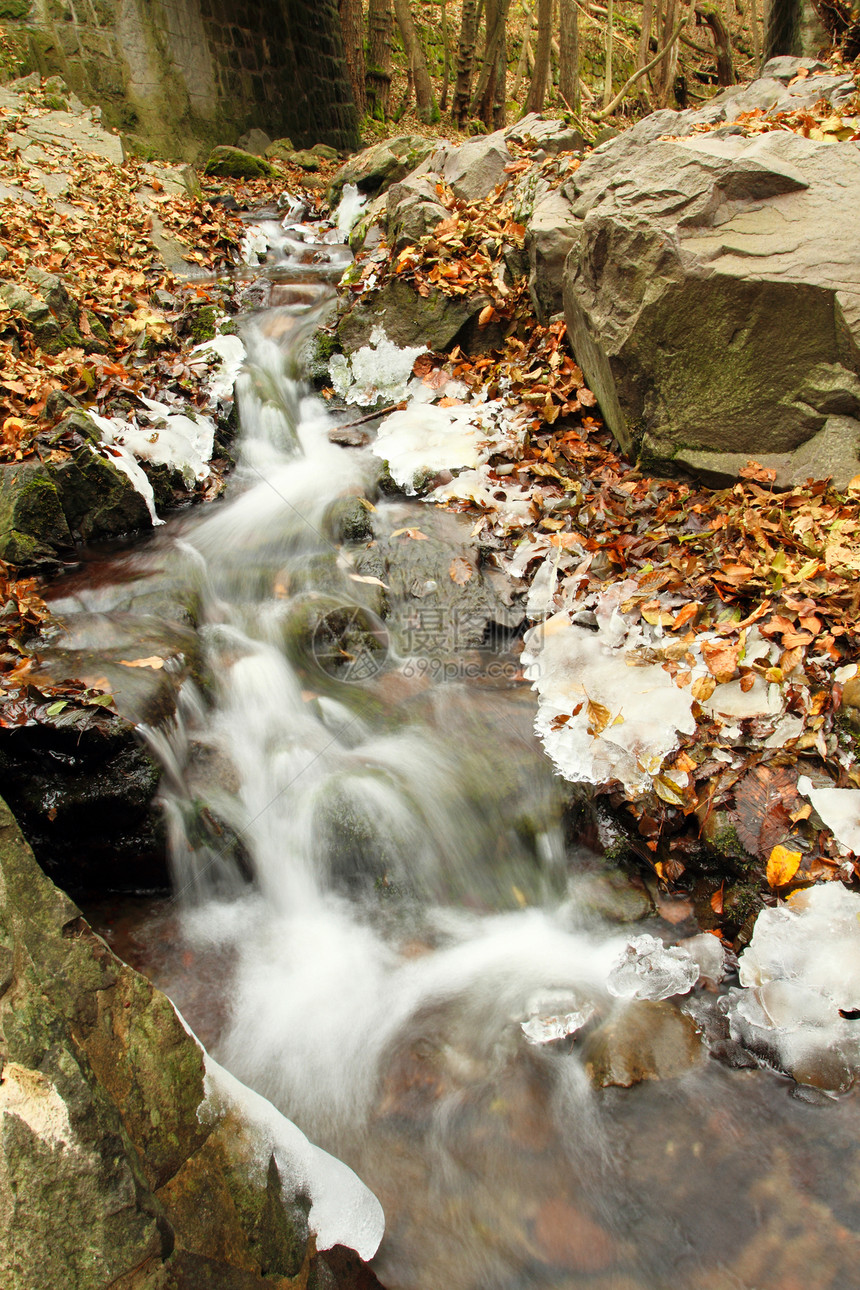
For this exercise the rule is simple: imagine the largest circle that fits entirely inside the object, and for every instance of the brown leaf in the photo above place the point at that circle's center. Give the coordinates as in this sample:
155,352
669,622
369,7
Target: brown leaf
721,658
460,570
599,717
486,315
154,662
761,474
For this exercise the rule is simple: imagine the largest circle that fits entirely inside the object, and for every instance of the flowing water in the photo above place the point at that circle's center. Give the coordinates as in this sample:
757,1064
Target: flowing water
374,891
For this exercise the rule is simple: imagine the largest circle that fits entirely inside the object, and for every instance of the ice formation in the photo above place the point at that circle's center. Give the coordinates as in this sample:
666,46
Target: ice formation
799,975
343,1210
599,718
647,969
254,244
839,809
554,1014
221,376
380,370
349,209
123,458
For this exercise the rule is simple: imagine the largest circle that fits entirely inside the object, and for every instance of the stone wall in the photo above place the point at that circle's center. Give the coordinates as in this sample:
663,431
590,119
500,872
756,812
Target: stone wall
177,76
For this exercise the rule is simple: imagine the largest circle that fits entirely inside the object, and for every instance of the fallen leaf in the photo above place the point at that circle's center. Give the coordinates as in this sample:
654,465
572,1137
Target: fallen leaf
154,662
460,570
782,866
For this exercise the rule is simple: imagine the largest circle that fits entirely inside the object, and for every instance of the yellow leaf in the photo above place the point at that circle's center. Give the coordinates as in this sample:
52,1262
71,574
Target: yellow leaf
154,662
782,866
703,688
598,717
668,791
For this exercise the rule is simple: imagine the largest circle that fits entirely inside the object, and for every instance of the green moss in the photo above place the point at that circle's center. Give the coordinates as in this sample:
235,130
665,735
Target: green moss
204,325
14,9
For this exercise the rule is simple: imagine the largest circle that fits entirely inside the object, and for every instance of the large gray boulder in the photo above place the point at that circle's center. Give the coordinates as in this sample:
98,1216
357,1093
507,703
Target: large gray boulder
713,297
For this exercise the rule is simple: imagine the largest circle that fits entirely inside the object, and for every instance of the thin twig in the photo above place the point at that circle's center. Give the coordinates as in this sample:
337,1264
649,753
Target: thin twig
637,76
371,416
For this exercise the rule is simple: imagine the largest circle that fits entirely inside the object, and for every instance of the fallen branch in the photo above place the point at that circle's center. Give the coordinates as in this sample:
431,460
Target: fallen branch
637,76
371,416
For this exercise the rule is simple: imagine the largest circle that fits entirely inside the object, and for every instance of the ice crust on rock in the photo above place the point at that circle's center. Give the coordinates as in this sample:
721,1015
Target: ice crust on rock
254,244
647,969
343,1210
221,377
349,208
801,967
380,370
424,438
839,809
573,668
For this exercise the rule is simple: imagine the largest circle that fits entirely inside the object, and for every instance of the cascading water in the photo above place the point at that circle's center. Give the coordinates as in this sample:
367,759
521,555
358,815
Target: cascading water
384,908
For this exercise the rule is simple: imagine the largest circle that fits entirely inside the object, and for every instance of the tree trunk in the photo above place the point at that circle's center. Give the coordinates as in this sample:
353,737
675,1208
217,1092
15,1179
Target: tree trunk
540,75
425,99
378,71
708,15
484,101
568,55
465,61
643,54
500,104
610,34
353,48
670,59
523,63
446,56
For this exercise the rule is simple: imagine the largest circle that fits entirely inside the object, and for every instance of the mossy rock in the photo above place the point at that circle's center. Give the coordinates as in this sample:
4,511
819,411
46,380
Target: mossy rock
233,163
305,160
98,500
33,526
324,151
281,150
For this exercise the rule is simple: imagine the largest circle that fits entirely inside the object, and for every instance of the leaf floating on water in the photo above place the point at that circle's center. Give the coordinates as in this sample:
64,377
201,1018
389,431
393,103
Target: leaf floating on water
782,866
415,534
460,570
154,662
369,579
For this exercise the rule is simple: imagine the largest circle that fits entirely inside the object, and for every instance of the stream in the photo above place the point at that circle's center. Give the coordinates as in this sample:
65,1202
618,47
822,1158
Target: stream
376,897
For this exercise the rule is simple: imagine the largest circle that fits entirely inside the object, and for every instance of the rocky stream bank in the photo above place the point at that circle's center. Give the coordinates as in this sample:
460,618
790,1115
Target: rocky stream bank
681,290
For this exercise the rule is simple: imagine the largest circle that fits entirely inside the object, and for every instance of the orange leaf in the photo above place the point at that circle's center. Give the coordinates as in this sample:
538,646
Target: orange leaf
154,662
782,866
460,570
486,315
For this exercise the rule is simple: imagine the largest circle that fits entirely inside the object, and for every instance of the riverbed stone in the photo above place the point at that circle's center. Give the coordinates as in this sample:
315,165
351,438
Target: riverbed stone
413,209
98,500
642,1040
713,300
477,167
234,163
550,233
255,141
115,1168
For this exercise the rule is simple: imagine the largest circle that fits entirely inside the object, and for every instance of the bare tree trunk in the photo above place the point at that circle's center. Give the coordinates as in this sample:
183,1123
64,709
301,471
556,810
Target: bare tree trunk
484,100
610,34
643,54
353,48
378,69
540,75
500,104
425,99
568,61
708,15
446,56
465,61
755,33
670,59
522,65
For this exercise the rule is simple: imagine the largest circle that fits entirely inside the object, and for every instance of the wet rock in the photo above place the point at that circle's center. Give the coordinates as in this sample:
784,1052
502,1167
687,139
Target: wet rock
33,527
323,150
233,163
255,141
641,1041
722,258
98,499
377,167
118,1165
50,332
612,897
407,318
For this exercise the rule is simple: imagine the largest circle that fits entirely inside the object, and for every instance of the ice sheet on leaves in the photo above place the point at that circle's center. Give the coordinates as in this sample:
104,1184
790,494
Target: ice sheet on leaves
380,370
572,667
839,809
426,438
801,967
